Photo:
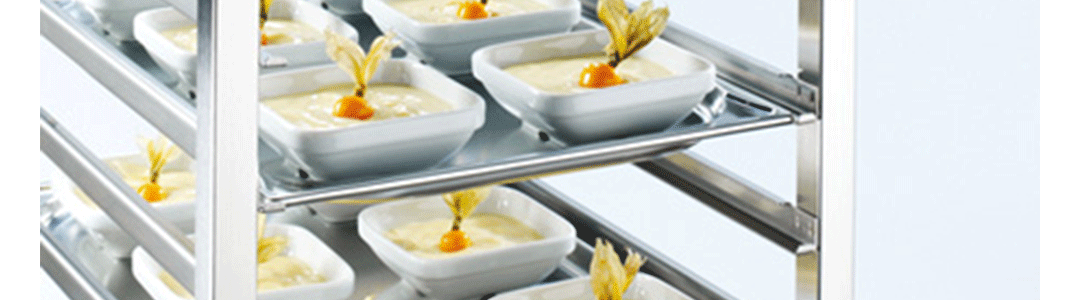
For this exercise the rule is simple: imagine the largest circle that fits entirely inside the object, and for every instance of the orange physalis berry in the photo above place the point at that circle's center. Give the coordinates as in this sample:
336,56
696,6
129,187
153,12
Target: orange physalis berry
264,40
453,241
151,192
354,107
599,76
472,10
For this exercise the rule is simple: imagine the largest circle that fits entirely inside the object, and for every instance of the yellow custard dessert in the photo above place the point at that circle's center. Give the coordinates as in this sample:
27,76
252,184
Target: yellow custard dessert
314,110
180,184
487,231
277,273
446,11
278,32
561,75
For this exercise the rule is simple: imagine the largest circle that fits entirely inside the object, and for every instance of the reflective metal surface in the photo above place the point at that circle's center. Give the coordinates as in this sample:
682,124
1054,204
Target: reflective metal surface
227,169
125,69
372,277
503,149
118,200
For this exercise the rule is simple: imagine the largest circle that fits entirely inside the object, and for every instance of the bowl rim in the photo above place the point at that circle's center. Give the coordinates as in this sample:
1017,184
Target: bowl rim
150,264
475,103
364,224
572,5
577,280
482,58
150,18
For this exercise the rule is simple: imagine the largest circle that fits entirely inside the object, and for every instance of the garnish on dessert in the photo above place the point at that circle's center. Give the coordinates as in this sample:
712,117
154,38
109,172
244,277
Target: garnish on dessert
268,247
350,57
609,278
472,9
264,14
462,203
158,152
629,33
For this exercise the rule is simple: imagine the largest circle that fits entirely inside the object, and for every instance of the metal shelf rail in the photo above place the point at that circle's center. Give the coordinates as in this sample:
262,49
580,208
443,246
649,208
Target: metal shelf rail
753,94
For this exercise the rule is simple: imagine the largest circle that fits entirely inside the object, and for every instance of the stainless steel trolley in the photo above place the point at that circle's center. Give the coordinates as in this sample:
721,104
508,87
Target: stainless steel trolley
233,163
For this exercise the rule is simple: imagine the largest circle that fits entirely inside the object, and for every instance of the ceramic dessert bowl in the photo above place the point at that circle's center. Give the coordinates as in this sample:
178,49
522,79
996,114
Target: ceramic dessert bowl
377,147
116,16
303,245
448,46
644,286
150,24
470,274
595,114
118,242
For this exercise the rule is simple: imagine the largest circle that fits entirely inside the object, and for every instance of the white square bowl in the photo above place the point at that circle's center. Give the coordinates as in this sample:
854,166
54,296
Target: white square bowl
373,148
612,112
116,15
472,274
302,245
447,47
644,286
181,62
118,243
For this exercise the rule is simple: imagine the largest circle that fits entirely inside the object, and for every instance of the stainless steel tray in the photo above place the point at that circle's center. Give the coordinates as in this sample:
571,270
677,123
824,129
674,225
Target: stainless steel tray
373,279
504,150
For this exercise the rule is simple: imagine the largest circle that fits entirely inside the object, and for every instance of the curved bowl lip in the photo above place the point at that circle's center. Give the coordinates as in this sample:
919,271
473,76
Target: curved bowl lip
349,276
477,104
368,234
644,277
483,55
350,32
574,5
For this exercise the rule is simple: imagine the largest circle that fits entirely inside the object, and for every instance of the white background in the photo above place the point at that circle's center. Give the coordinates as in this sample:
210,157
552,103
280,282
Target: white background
946,152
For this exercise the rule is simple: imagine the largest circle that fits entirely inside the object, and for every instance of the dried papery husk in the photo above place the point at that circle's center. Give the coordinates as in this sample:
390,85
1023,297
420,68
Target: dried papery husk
268,247
158,153
264,14
610,279
264,11
630,32
462,204
351,58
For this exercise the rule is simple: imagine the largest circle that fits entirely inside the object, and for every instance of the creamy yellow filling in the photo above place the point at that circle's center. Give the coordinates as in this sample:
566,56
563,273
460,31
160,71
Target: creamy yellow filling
487,231
561,75
179,184
445,11
278,32
277,273
315,109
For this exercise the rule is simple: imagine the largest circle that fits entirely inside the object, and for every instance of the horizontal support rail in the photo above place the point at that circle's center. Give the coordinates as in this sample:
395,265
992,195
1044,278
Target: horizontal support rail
74,280
119,201
590,226
735,197
143,93
520,169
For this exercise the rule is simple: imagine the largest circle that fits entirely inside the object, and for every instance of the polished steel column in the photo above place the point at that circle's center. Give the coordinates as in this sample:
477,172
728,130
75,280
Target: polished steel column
227,149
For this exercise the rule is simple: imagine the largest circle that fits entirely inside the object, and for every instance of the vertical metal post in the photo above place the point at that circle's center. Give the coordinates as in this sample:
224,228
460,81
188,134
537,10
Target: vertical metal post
826,148
228,47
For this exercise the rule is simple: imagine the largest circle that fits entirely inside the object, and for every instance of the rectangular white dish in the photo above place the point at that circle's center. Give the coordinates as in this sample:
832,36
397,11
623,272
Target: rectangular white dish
116,16
117,242
612,112
447,47
644,287
302,245
471,274
181,62
375,148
